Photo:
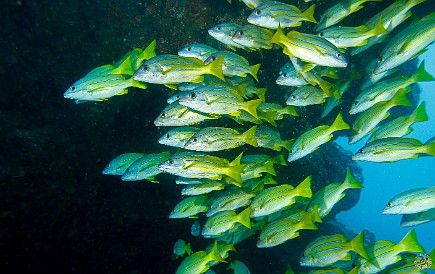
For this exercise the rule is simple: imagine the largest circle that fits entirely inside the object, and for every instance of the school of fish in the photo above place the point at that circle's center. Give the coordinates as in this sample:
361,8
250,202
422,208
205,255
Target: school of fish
241,196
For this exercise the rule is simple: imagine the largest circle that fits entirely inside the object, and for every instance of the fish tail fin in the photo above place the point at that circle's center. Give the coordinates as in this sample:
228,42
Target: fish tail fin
291,110
124,68
280,160
251,106
254,71
350,181
214,254
325,86
249,136
268,180
244,217
421,75
430,147
215,67
287,144
278,36
378,29
315,214
236,161
268,167
419,114
270,117
261,93
138,84
432,256
339,123
357,245
307,222
308,14
147,53
400,98
409,243
188,249
304,188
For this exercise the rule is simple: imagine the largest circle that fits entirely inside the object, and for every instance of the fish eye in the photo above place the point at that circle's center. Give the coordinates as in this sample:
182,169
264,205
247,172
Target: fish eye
193,95
240,32
218,28
170,162
338,55
355,103
381,59
144,68
189,48
257,12
321,34
194,139
167,135
163,115
389,204
285,75
73,88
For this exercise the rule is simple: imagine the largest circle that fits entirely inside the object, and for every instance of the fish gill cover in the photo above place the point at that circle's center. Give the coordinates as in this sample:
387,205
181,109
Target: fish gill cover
255,162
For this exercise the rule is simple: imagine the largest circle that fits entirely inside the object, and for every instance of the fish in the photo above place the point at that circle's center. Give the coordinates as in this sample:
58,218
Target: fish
339,88
384,253
133,59
393,149
224,32
328,249
411,201
273,14
231,199
278,232
101,87
407,265
239,267
234,64
328,196
289,77
219,100
223,249
225,220
339,11
310,48
253,37
255,166
370,78
387,89
252,4
269,138
181,248
418,218
256,185
190,207
178,137
146,167
276,110
179,115
173,69
312,139
199,262
274,199
200,189
391,17
195,229
120,164
198,165
407,44
306,96
311,77
367,121
197,50
348,37
400,126
220,138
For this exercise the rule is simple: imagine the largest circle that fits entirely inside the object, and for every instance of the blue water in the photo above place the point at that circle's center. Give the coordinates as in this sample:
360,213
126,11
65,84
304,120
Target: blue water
385,180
